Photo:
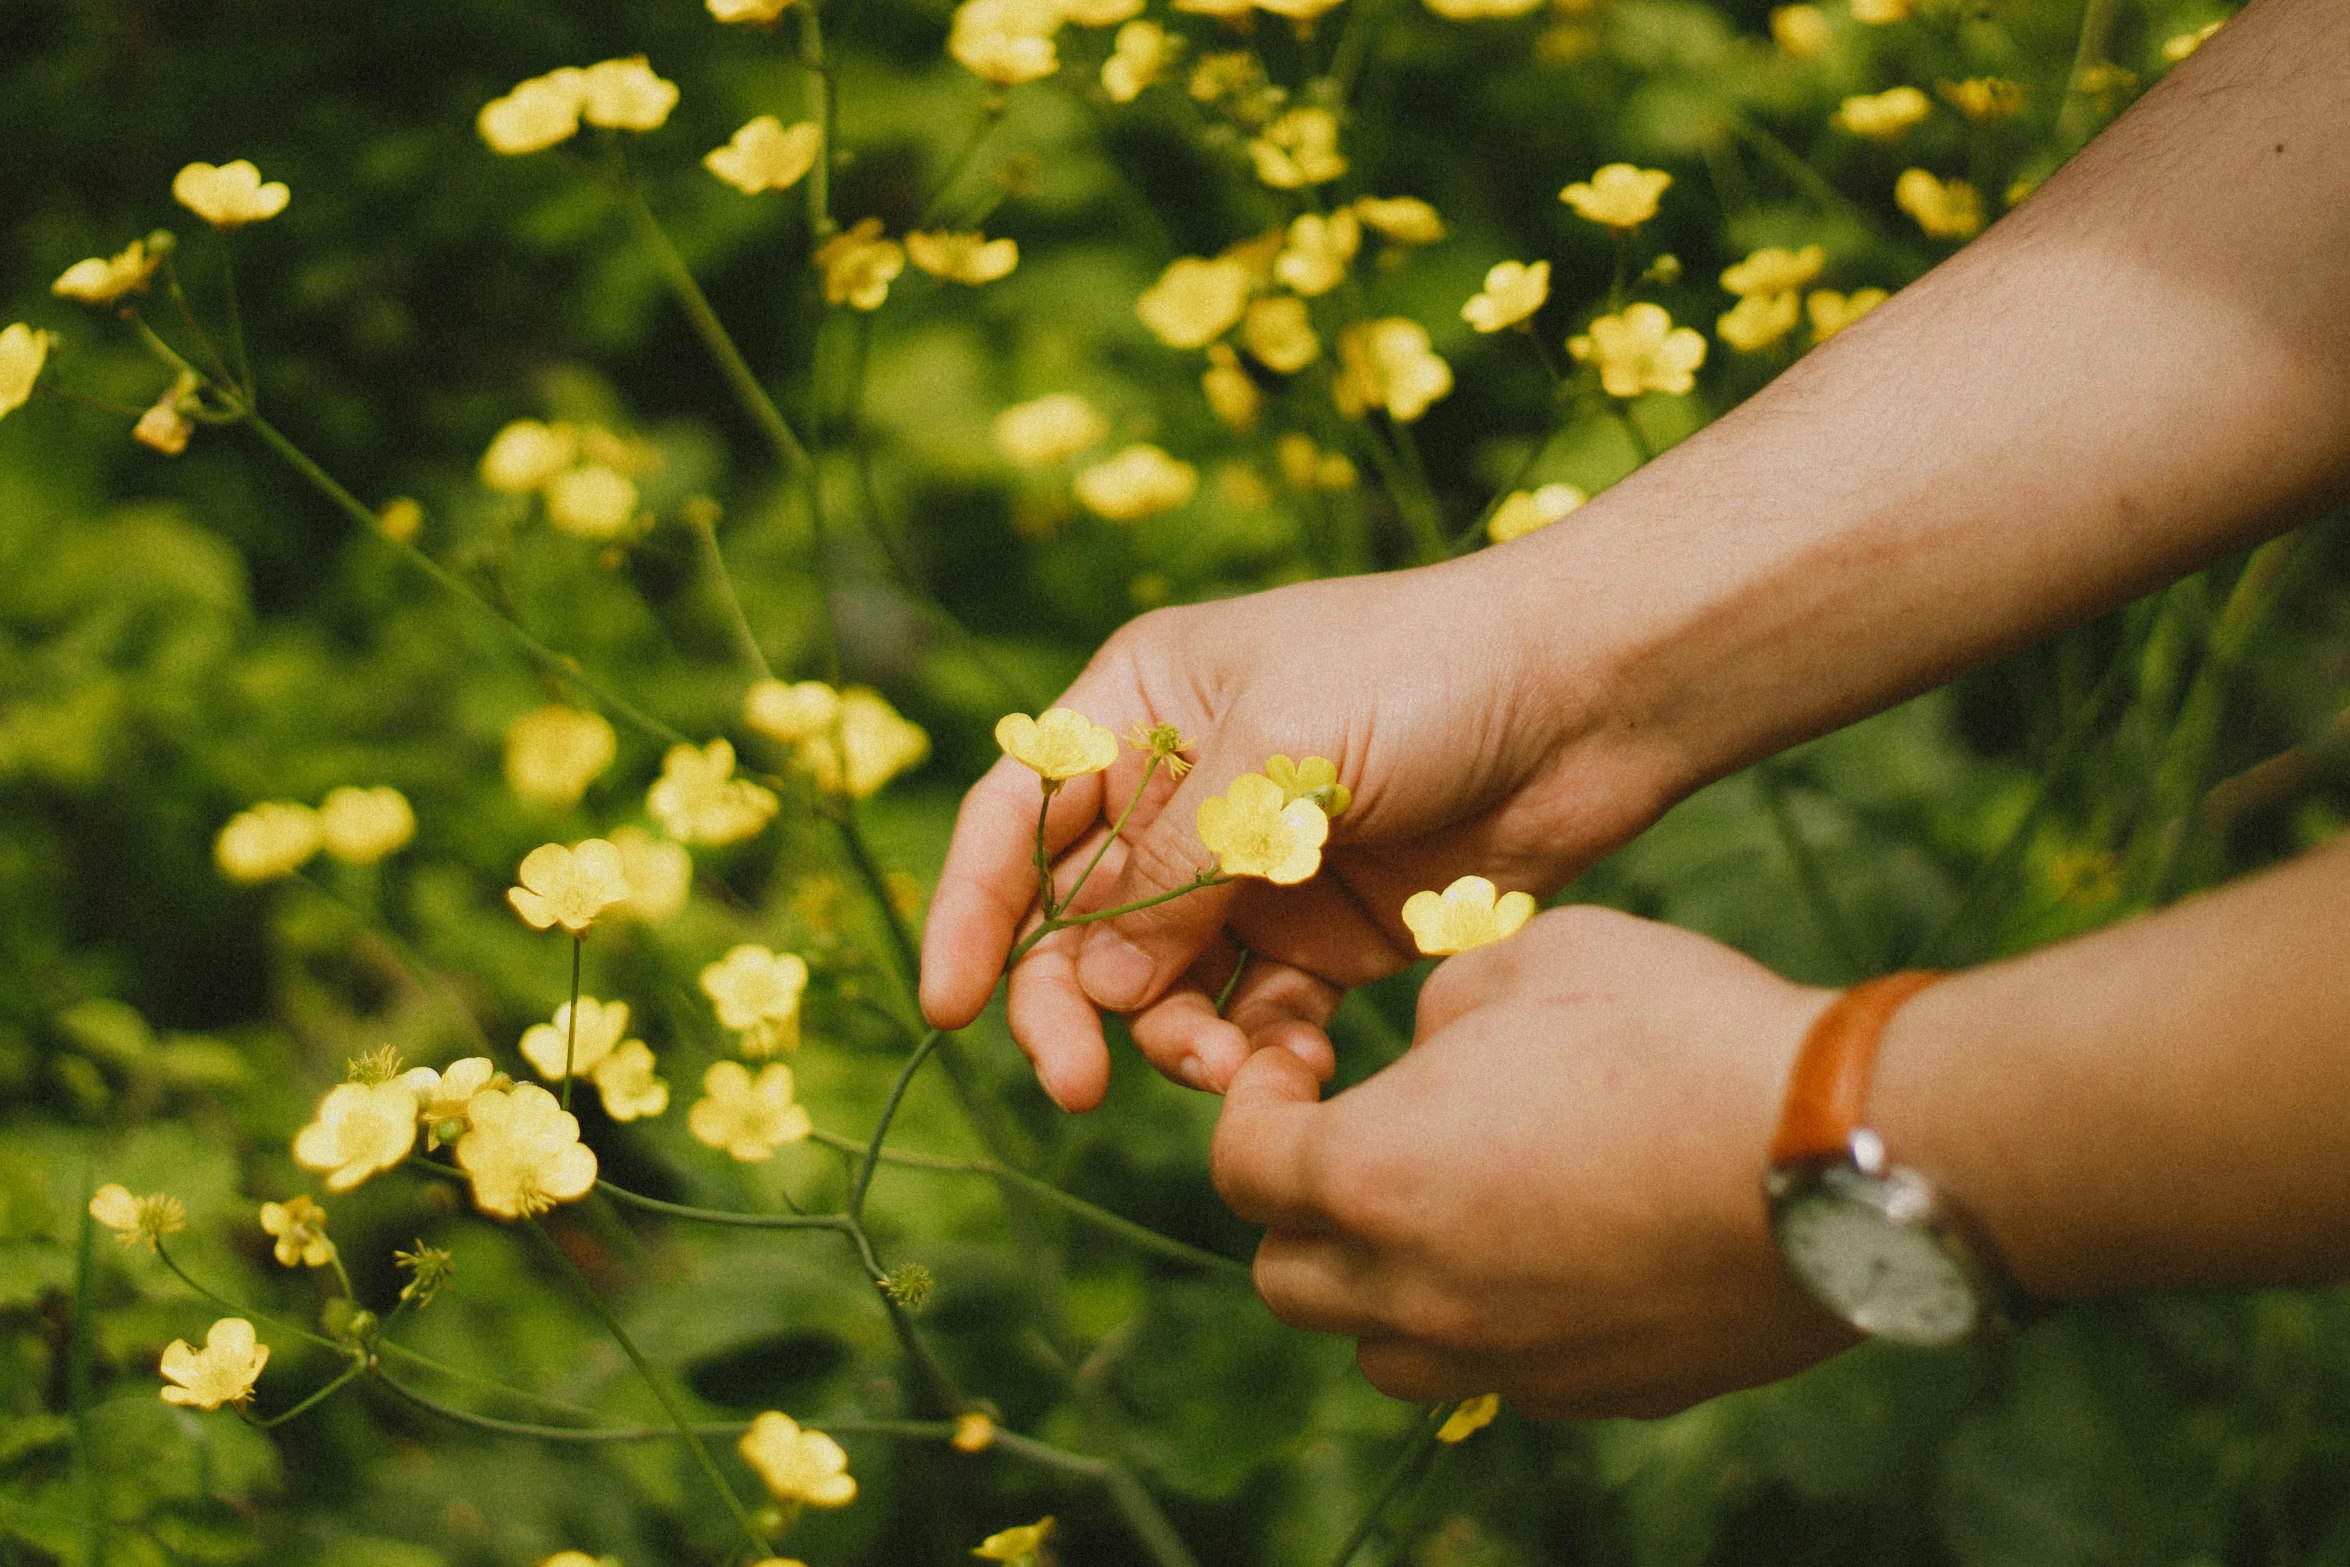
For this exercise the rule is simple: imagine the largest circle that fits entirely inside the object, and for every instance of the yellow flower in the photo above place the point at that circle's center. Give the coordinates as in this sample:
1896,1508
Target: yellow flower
361,1128
1279,331
1522,511
1619,195
791,713
764,156
536,115
1058,744
1307,467
568,887
1880,13
1642,351
102,280
1315,778
1232,396
1314,259
1048,429
1945,209
1388,364
859,266
1513,291
1480,10
1800,31
554,753
880,744
1883,116
222,1372
625,95
136,1219
1255,829
442,1097
697,798
229,196
1758,321
22,353
1006,42
361,826
165,426
962,258
591,501
401,519
1230,73
524,455
758,993
1832,312
1984,98
749,1118
1195,301
522,1152
601,1025
1473,1416
300,1229
1014,1545
626,1084
660,875
1464,915
1141,56
795,1465
2176,49
1300,148
1407,220
1139,482
275,838
1775,270
974,1433
747,10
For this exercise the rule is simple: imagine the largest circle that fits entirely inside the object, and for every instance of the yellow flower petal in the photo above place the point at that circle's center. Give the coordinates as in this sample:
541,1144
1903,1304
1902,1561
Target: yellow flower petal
1465,915
1254,829
1057,745
229,196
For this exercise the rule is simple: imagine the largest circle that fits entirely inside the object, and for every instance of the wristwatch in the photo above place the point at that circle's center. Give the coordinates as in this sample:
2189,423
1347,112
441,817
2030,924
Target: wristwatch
1873,1242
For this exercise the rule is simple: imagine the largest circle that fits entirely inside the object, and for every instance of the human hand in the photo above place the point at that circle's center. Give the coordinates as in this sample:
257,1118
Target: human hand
1470,745
1557,1194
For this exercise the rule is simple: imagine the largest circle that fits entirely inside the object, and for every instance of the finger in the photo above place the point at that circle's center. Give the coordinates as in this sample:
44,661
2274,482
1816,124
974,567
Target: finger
1269,1150
1421,1373
1055,1026
988,884
1317,1282
1282,1008
1182,1036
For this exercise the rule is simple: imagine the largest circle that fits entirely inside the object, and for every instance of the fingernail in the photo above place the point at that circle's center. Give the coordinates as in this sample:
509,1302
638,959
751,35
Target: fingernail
1114,972
1190,1070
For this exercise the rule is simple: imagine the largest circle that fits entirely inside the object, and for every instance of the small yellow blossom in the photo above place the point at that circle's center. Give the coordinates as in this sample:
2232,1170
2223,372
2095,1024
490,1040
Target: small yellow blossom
755,11
796,1465
442,1097
1100,13
1407,220
300,1230
601,1025
1139,482
361,1128
974,1433
1279,331
1301,13
1775,270
1141,56
2176,49
1984,98
554,753
1523,511
401,519
1513,291
962,258
1232,396
568,887
361,826
1800,31
697,798
1058,744
1015,1545
165,427
1472,1416
1641,351
1223,10
1315,257
1231,73
222,1372
137,1219
23,351
660,875
1006,42
859,265
524,455
101,280
1195,300
765,156
749,1118
1619,195
1388,364
591,501
229,196
879,741
1313,778
577,1559
1758,321
1300,148
789,713
1307,467
1255,829
757,992
625,95
275,838
1880,13
627,1086
522,1152
1048,429
1882,116
1480,10
1832,312
1945,209
1466,914
536,114
1164,743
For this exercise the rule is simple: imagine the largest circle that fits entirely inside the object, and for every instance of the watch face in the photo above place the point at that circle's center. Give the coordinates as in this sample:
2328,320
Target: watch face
1869,1248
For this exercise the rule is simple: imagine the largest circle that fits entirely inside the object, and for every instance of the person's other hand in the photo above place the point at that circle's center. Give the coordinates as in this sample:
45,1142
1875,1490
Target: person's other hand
1556,1195
1470,746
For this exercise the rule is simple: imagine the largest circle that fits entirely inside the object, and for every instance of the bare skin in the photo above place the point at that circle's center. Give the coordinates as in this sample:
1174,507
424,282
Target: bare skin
2143,369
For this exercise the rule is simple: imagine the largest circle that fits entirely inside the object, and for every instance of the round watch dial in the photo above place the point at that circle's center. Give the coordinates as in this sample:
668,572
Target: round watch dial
1869,1249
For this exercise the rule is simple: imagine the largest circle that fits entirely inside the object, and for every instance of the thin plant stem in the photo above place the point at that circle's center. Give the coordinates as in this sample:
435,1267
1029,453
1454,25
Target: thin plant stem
989,118
571,1015
742,1221
1232,983
1044,863
1633,432
224,1302
1802,175
1204,879
706,535
1770,781
821,103
351,1373
1149,770
909,952
179,297
421,972
236,327
2088,53
1407,1465
889,1113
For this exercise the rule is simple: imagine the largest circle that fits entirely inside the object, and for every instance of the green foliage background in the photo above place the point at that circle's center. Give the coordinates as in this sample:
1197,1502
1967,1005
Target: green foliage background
181,638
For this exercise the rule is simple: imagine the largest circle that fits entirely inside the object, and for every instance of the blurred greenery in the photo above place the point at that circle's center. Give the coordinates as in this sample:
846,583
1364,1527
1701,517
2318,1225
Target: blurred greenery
182,637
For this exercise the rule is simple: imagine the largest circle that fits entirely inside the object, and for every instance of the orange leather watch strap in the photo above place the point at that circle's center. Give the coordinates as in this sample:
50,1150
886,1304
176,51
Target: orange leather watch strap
1829,1087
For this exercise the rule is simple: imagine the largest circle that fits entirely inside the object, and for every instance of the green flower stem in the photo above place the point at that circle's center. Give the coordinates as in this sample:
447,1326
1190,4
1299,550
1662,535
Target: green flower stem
231,1306
745,1221
1149,770
706,535
852,836
889,1113
571,1033
595,1303
1231,984
1418,512
179,297
236,327
2088,52
1415,1454
1800,174
1044,862
1770,781
1204,879
352,1372
943,1391
168,354
989,118
385,1345
1634,434
334,1257
820,109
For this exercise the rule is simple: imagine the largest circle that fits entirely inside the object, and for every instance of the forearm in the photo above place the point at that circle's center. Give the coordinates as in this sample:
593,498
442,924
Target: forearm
2144,368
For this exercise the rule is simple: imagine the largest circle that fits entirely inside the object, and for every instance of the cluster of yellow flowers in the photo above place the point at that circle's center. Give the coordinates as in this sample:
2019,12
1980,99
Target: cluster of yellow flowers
585,474
596,1049
547,110
278,837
